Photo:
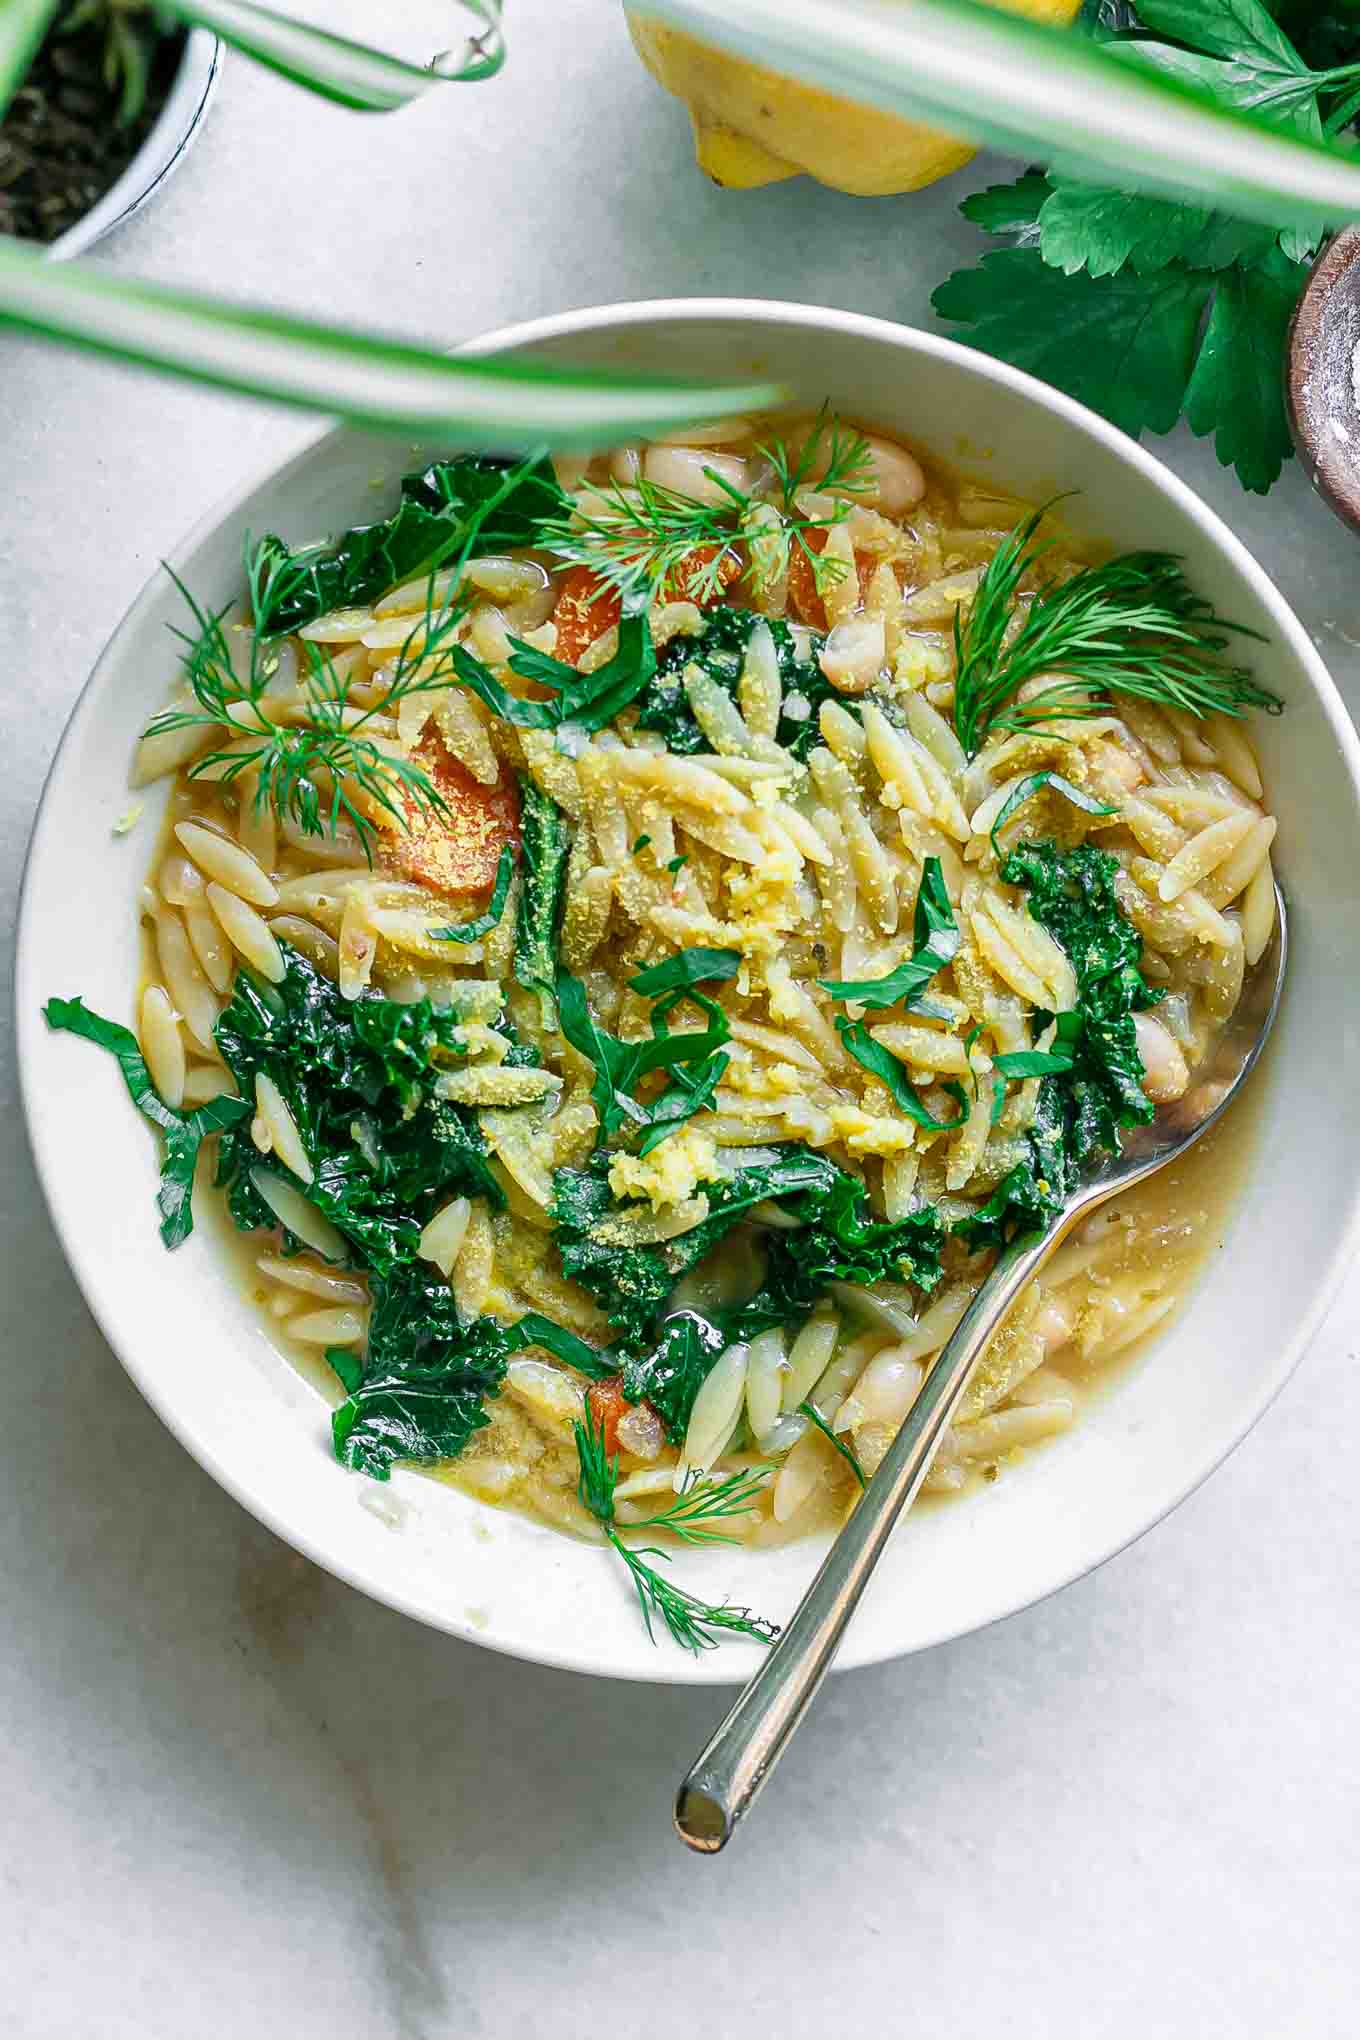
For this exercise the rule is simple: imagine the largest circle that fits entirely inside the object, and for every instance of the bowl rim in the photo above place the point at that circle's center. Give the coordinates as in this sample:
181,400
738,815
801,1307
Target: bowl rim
679,1668
174,130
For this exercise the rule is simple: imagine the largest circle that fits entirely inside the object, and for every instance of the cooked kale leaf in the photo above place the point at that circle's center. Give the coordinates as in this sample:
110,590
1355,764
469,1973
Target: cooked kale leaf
425,1378
671,1375
1079,1111
358,1076
837,1238
437,509
840,1240
721,650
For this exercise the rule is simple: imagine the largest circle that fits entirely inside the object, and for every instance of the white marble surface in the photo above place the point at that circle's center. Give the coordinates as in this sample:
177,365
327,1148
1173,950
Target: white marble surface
235,1798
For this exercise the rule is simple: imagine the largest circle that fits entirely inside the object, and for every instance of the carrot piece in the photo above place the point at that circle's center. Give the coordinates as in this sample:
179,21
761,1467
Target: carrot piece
806,604
680,581
608,1404
585,608
456,852
804,600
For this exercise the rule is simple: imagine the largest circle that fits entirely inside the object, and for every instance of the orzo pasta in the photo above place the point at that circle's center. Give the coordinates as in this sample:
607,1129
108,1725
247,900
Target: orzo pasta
638,948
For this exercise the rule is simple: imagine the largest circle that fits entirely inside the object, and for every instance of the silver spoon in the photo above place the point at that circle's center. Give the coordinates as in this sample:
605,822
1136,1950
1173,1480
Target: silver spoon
724,1782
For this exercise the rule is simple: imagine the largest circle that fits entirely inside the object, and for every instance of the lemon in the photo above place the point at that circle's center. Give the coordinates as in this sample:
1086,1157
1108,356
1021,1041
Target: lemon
753,125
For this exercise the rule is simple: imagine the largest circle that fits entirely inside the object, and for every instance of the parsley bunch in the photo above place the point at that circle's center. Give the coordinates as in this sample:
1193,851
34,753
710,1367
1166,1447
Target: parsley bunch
1151,309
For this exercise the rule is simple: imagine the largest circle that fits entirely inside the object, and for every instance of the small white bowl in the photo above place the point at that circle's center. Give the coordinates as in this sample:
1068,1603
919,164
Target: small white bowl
177,126
193,1343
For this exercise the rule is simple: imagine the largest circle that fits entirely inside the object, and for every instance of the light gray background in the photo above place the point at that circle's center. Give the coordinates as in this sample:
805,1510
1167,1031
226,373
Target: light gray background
235,1798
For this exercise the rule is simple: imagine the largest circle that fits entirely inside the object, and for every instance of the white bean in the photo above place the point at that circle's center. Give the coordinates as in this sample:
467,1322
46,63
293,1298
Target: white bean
895,480
641,1432
682,468
884,1392
853,653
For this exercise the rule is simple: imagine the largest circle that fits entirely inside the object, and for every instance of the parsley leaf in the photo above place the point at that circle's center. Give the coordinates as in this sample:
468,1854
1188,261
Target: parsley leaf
1236,392
1241,30
935,942
1086,226
535,1330
473,931
1006,208
620,1065
1110,304
842,1445
1033,783
695,966
1123,344
883,1064
589,701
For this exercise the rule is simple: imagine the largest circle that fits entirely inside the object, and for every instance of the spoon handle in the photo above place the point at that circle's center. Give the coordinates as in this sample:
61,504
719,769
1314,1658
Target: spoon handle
749,1742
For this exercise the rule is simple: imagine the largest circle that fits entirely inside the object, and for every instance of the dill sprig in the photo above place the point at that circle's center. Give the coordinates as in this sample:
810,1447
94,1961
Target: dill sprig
335,742
644,533
1134,626
692,1517
843,456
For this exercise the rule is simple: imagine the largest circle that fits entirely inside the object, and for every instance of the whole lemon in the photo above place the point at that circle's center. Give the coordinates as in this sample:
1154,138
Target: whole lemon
753,125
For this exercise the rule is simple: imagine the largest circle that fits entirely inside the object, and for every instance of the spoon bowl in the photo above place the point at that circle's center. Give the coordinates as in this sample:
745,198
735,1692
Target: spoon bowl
723,1784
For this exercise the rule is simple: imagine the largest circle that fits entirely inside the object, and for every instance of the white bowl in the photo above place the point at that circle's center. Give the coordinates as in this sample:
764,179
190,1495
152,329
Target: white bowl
194,1345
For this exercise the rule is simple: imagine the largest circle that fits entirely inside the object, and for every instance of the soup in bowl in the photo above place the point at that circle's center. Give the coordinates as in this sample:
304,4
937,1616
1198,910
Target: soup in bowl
623,942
